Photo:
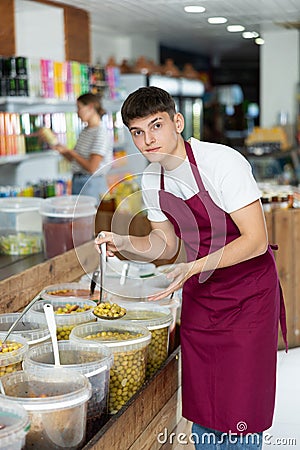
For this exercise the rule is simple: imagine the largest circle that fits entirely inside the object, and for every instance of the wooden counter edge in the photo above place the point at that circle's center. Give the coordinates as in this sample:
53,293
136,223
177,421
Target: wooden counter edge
18,290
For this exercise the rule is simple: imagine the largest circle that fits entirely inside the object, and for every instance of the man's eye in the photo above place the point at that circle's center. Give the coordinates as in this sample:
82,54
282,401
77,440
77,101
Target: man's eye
137,133
157,125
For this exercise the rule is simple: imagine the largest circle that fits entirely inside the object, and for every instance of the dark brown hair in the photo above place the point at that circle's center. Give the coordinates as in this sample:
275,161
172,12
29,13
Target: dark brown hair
92,99
146,101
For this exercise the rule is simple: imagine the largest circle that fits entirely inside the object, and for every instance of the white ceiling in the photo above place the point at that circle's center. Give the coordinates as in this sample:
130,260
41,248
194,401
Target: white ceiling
166,21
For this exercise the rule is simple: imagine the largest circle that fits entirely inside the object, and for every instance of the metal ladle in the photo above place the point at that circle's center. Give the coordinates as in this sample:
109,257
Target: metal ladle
25,310
102,270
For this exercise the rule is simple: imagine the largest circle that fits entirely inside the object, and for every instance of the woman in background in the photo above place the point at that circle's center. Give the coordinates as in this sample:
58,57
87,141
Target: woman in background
93,152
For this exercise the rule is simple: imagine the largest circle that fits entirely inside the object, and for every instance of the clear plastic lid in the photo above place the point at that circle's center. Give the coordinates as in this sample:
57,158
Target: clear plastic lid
148,315
15,423
11,357
47,390
87,358
33,332
67,291
37,312
130,336
72,206
20,204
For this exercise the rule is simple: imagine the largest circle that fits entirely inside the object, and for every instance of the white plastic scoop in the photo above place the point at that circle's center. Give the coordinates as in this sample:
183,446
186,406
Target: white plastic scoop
49,313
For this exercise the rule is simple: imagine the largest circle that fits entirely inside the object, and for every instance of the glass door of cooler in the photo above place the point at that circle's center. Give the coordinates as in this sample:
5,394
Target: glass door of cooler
191,106
192,110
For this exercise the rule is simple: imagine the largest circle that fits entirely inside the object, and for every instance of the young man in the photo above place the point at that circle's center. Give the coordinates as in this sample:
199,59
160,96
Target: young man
205,194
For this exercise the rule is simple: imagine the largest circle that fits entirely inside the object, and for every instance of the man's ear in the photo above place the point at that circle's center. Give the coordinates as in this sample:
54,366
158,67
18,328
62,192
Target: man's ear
179,122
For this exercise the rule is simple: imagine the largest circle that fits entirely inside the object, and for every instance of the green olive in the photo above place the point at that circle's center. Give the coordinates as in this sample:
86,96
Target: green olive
128,372
158,350
109,310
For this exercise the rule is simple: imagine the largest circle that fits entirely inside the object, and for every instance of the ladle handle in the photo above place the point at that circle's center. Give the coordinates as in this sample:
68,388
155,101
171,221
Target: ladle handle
102,270
49,313
25,310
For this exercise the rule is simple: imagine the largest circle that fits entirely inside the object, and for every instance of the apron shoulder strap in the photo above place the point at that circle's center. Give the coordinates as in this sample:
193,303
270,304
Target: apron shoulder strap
194,167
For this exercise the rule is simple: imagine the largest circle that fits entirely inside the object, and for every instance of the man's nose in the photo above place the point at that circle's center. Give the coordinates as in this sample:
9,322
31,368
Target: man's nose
149,138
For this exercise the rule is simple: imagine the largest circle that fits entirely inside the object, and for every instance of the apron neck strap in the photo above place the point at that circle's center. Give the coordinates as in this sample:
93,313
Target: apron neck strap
193,165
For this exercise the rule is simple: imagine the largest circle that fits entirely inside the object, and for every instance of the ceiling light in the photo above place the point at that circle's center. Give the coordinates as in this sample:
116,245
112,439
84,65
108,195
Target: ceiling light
250,34
235,28
216,20
259,41
194,9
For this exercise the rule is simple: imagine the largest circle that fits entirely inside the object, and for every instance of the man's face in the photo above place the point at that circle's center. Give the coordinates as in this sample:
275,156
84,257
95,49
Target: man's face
157,136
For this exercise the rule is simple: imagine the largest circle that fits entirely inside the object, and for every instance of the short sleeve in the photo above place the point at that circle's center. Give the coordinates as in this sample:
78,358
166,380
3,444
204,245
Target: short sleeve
150,192
238,186
99,146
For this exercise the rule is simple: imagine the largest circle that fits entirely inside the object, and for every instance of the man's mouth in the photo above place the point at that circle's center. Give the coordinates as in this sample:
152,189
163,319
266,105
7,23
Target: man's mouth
152,150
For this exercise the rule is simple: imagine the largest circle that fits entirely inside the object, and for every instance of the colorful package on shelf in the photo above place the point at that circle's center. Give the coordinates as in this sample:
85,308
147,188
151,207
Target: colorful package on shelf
60,76
47,78
11,139
113,81
34,77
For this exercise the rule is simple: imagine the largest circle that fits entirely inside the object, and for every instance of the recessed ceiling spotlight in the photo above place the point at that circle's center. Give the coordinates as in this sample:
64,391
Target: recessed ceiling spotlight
250,34
259,41
194,9
235,28
216,20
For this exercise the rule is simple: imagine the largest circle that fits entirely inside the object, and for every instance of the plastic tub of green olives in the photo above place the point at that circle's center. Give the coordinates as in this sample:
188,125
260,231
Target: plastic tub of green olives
12,353
66,318
158,320
129,344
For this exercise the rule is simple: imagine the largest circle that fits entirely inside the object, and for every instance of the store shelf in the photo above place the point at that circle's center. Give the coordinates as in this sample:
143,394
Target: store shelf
17,159
34,101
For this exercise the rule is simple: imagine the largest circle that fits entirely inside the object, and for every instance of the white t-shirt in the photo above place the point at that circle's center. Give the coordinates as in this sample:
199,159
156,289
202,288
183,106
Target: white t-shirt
225,173
95,140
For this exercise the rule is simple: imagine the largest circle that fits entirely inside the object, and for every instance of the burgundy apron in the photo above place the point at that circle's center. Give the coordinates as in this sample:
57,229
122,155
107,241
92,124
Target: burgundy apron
229,321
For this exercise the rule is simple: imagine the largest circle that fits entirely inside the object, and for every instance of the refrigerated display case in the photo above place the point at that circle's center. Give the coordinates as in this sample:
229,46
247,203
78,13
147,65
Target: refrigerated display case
187,94
191,106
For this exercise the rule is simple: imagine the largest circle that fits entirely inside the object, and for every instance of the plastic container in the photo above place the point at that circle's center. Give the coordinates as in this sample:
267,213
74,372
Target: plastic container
69,291
56,404
129,344
34,332
65,321
15,424
92,360
172,304
11,361
157,319
68,221
20,226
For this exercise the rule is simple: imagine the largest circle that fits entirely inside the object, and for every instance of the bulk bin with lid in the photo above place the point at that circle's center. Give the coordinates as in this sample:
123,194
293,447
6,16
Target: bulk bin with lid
129,344
92,360
20,226
68,313
56,404
157,319
68,221
34,332
15,424
12,353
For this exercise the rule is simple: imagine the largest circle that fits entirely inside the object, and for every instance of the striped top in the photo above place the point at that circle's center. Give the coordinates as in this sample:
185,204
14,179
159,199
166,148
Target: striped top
94,140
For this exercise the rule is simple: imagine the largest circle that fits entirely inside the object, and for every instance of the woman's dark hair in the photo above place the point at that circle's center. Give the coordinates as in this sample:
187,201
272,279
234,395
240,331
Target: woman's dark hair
146,101
92,99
